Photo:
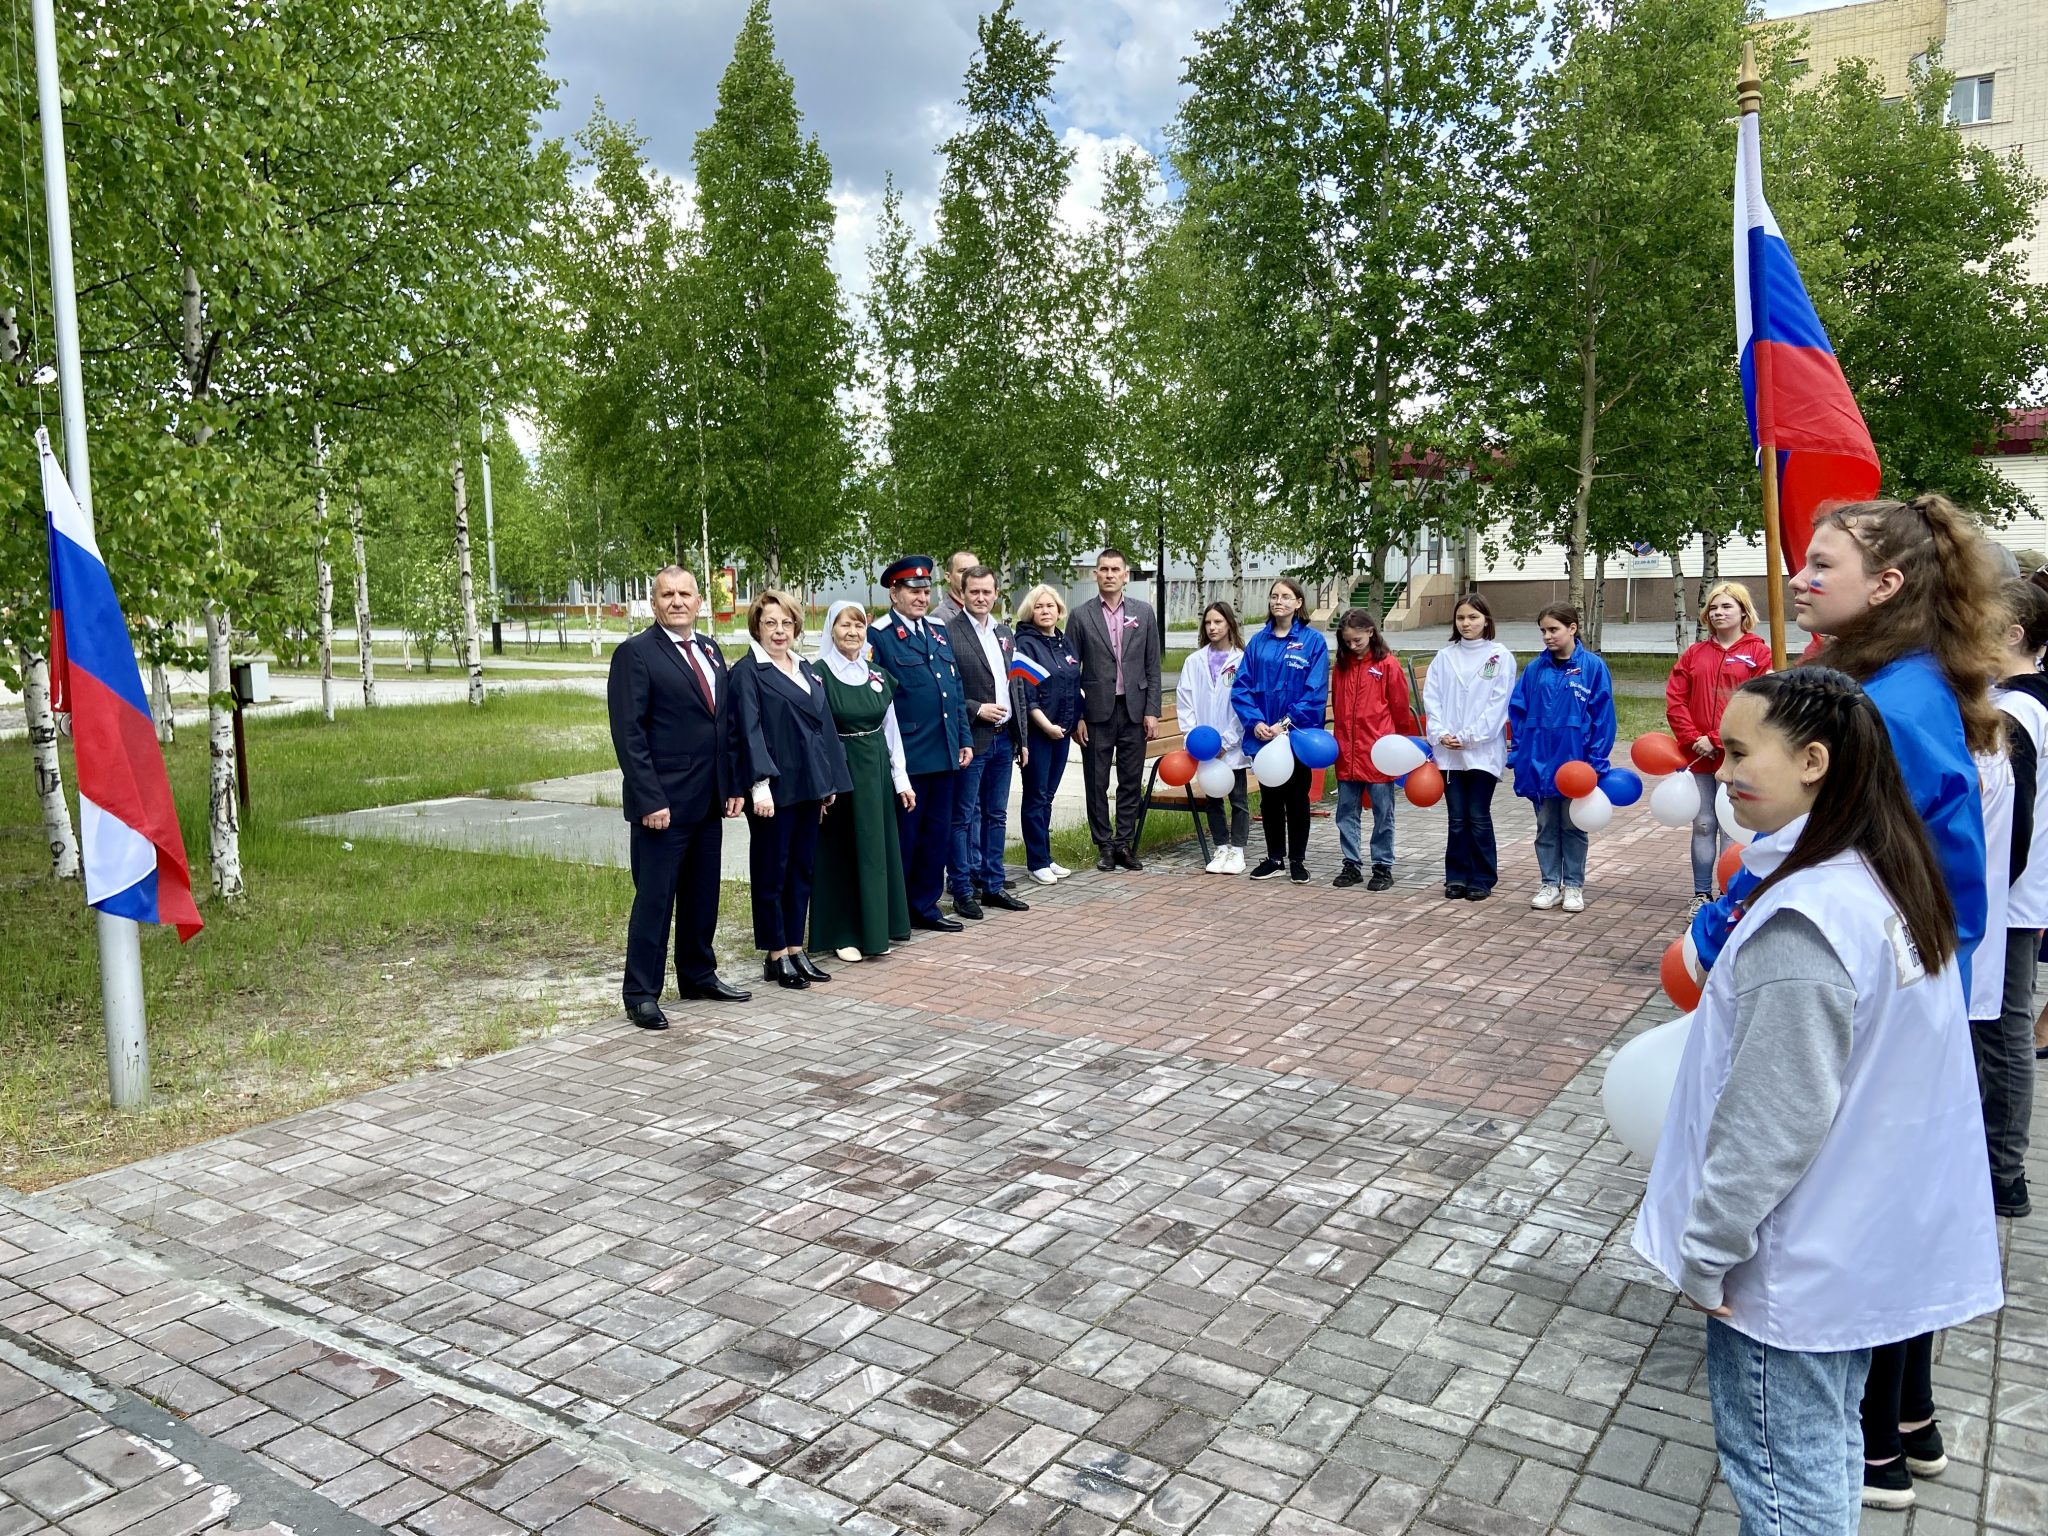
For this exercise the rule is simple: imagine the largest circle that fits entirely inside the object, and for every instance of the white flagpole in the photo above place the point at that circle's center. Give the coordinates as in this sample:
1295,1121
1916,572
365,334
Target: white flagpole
120,938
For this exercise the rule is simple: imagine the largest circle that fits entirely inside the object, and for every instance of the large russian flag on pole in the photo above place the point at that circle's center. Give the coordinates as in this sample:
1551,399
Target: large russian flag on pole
1792,386
134,853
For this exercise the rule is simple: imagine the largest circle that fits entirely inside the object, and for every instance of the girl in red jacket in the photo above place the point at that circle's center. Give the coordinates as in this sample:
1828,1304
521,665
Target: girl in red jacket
1706,674
1370,694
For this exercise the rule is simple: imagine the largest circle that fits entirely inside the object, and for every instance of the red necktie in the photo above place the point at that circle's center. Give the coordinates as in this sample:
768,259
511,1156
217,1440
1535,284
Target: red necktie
697,671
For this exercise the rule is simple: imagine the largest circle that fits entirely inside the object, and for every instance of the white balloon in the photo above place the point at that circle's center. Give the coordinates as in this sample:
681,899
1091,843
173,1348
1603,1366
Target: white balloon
1724,812
1591,813
1396,755
1637,1089
1274,762
1675,801
1215,778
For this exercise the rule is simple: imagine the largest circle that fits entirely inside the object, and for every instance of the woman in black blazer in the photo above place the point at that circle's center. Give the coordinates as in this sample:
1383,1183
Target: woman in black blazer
795,763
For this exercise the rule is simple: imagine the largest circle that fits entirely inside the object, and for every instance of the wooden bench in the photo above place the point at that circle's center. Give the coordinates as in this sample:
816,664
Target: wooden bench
1188,799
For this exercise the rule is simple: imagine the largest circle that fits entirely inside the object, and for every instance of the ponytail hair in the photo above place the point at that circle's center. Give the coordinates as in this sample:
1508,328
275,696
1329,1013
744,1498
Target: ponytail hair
1943,606
1862,804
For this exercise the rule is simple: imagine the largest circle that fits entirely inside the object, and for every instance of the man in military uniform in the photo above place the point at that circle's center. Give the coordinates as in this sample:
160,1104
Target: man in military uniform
931,712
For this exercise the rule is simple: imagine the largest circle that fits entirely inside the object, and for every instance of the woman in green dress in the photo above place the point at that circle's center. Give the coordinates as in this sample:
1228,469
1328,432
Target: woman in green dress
858,904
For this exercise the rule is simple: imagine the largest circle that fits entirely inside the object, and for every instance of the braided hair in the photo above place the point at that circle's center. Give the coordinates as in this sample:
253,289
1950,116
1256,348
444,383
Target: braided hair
1944,604
1862,803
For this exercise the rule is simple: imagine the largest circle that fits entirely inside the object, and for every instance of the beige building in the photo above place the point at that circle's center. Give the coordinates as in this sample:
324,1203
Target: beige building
1997,49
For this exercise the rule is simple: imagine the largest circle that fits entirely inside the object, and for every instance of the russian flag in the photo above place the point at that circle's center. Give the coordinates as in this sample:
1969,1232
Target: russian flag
134,853
1032,672
1792,386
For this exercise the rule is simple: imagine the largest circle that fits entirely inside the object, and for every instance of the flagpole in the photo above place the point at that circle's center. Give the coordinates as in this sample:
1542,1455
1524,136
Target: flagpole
120,938
1749,98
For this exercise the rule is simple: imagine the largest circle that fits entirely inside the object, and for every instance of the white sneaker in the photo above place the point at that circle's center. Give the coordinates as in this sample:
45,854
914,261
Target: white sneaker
1059,871
1574,899
1236,862
1547,898
1044,876
1219,865
849,954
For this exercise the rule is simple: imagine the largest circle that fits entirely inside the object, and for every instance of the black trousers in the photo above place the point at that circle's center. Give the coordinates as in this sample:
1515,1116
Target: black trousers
1284,810
926,836
1900,1387
1470,857
1120,740
780,859
675,880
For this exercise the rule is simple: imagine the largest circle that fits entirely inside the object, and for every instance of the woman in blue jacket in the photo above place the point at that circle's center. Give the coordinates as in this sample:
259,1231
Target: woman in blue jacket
1562,711
1283,684
1053,707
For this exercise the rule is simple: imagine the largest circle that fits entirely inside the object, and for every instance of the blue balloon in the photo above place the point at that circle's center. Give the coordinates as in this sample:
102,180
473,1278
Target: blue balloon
1204,742
1314,748
1422,745
1621,786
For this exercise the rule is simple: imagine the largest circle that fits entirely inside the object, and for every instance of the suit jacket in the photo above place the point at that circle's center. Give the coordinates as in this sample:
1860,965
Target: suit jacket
788,736
980,687
677,752
1089,631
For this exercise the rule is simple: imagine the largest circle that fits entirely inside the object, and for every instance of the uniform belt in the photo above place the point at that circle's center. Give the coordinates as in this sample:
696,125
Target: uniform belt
850,735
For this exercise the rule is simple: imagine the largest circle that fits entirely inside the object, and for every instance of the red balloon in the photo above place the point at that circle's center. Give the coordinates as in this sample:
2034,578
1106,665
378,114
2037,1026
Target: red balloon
1679,984
1657,754
1176,768
1731,861
1576,780
1425,785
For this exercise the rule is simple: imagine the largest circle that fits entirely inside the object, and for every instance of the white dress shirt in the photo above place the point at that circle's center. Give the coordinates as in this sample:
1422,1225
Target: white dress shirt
985,632
686,643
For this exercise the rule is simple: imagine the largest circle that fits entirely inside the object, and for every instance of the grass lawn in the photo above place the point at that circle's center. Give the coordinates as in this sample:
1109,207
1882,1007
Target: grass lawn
342,969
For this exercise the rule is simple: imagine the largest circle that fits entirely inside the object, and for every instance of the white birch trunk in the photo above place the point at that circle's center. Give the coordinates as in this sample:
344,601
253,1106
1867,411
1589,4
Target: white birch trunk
323,574
160,710
223,816
365,658
49,769
596,643
472,653
1677,604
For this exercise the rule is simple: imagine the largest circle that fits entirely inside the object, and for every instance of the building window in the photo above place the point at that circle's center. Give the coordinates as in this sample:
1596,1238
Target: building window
1970,101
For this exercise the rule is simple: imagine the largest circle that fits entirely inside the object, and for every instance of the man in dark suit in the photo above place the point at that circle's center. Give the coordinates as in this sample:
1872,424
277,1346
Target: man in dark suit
982,648
931,715
677,737
1117,638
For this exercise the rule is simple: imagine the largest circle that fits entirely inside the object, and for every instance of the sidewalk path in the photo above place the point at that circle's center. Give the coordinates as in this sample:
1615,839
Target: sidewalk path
1180,1205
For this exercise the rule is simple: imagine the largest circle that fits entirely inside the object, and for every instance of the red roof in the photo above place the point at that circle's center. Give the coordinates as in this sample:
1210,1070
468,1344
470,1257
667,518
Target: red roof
2023,432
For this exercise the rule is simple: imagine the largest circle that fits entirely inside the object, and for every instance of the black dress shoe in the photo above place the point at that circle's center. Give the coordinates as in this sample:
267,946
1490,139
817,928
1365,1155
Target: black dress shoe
1478,892
648,1016
783,972
1125,859
1004,900
712,991
1105,861
967,907
1454,891
939,924
809,967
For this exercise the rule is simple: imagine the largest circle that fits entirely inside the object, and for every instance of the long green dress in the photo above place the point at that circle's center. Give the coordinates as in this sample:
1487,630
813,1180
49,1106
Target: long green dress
857,895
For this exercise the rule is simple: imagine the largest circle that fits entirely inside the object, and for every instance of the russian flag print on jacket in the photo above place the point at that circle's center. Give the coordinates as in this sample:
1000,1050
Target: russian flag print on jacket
1026,670
134,853
1792,385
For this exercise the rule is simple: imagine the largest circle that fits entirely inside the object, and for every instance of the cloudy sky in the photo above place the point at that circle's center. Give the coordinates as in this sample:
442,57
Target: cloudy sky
878,80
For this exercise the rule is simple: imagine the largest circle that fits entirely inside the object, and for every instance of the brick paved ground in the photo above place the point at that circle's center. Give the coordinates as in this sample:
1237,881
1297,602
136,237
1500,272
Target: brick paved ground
1181,1205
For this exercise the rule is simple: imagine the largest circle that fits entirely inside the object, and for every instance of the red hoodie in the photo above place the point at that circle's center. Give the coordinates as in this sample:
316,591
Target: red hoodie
1700,685
1371,701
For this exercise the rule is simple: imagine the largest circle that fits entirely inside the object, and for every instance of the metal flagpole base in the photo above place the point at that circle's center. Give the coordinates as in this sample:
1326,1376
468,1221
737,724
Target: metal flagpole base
121,1004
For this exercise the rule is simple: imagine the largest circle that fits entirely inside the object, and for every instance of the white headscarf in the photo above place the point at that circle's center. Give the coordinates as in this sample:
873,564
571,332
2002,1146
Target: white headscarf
854,671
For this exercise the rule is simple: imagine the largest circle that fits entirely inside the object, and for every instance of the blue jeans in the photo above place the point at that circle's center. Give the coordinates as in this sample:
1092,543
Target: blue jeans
1560,846
1790,1437
980,810
1042,776
1707,837
1351,794
1470,857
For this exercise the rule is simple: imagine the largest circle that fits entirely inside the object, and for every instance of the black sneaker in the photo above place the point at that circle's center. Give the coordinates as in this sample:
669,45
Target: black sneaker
2011,1199
1350,874
1266,869
1455,892
1298,873
1382,879
1888,1485
1924,1454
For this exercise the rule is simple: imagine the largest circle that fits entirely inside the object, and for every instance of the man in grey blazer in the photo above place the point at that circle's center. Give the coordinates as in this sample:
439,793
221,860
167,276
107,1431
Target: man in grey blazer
982,648
1117,638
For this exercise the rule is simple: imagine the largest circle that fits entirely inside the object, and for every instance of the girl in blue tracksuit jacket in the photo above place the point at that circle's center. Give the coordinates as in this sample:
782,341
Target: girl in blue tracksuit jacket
1562,711
1283,683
